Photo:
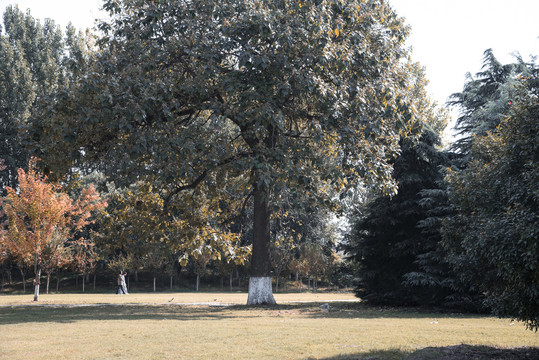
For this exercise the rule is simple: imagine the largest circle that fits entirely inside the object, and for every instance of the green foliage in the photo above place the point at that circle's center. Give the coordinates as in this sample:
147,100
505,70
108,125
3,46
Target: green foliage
232,99
485,99
493,237
36,61
386,241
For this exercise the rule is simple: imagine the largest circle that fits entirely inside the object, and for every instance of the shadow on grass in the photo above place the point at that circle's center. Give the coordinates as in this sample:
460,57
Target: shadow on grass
460,352
108,312
70,313
348,310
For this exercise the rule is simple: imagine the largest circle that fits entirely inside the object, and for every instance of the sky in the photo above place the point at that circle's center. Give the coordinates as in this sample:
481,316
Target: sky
448,37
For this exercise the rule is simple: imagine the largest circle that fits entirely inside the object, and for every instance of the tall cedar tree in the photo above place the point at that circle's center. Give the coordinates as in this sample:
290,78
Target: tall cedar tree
386,241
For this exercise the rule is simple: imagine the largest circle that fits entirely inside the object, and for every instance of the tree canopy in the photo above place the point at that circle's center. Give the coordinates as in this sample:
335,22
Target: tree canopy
243,99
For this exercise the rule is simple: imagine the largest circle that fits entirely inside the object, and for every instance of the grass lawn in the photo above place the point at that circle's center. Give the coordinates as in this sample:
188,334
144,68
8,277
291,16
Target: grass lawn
171,326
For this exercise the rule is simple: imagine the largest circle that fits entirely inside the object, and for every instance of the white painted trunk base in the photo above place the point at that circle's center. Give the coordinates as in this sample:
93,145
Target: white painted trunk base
260,291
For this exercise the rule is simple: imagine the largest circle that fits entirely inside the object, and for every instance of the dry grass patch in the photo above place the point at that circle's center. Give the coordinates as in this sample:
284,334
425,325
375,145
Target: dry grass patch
289,331
216,298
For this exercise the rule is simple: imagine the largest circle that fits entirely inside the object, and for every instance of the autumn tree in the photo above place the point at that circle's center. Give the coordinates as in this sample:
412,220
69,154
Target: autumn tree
41,219
244,99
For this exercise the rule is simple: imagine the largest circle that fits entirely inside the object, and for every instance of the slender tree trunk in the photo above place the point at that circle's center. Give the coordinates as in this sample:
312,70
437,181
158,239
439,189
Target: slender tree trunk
171,278
83,281
154,280
197,283
238,278
276,282
260,289
57,282
23,279
95,275
36,285
136,276
222,283
48,281
231,278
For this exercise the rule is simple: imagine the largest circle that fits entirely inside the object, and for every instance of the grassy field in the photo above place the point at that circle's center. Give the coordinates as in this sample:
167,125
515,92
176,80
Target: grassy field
176,326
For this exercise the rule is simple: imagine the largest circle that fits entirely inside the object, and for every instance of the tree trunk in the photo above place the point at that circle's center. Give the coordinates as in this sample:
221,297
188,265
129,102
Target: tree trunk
171,278
83,282
37,280
260,289
197,283
48,281
154,283
23,279
276,282
231,278
57,282
95,275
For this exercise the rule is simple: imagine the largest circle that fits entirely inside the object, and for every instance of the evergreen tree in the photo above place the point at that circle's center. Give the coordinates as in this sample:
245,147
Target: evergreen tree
492,238
386,240
485,99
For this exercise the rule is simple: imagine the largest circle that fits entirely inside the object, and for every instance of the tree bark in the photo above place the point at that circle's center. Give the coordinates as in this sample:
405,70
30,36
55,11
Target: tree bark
230,280
48,281
154,283
197,283
23,279
260,289
36,285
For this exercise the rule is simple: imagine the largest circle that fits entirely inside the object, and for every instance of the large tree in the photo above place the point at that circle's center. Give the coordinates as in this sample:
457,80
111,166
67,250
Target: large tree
243,99
492,238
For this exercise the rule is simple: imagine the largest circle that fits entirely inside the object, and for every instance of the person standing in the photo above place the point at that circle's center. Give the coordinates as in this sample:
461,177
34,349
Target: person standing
119,282
124,283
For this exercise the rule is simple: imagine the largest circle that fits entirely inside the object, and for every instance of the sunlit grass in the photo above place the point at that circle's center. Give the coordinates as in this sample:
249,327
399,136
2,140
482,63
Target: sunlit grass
215,298
138,326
